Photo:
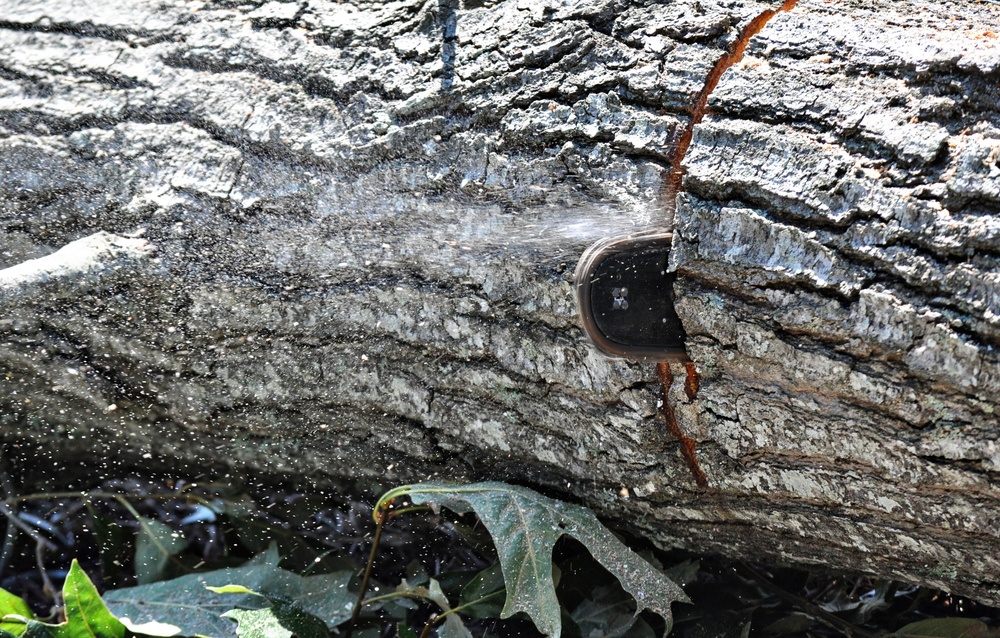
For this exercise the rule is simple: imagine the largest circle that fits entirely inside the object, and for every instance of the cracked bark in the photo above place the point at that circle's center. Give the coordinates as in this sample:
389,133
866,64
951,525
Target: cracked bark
339,287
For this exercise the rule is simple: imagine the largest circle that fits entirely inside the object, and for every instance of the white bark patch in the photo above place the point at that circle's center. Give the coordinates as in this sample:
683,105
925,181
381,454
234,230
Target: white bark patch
489,434
944,355
81,263
768,251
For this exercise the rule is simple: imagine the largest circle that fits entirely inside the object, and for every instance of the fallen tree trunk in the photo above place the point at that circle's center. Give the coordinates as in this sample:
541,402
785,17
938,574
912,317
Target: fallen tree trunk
336,241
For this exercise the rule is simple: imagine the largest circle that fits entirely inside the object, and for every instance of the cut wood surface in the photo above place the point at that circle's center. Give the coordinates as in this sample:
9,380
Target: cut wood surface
327,240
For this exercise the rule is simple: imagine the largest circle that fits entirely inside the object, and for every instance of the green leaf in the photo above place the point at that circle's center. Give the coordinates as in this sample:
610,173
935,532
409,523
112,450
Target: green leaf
947,628
186,603
432,592
525,526
183,602
609,612
11,605
453,627
279,621
86,614
435,593
483,597
36,629
297,554
231,589
416,574
257,623
475,537
13,625
155,545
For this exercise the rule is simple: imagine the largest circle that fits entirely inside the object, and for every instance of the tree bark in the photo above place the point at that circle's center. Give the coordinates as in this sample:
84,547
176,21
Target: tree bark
336,240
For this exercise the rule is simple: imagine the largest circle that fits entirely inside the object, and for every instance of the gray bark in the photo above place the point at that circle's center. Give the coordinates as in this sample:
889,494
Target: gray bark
335,241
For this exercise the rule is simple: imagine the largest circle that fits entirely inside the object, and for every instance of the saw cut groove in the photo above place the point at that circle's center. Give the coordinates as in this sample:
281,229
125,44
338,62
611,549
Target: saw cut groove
675,176
670,188
687,443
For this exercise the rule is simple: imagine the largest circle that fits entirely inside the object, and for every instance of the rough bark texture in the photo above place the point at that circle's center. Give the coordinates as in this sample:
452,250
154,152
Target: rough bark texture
361,220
